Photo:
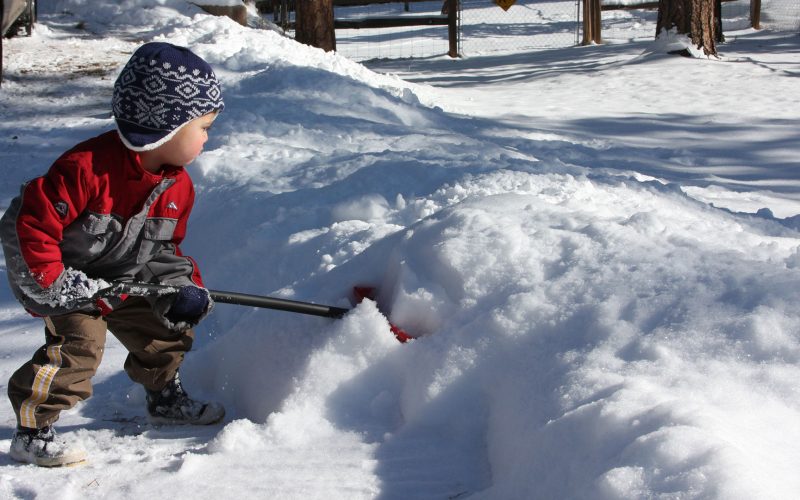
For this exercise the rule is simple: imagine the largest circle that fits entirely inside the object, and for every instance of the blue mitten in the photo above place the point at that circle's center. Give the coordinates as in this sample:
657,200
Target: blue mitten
189,305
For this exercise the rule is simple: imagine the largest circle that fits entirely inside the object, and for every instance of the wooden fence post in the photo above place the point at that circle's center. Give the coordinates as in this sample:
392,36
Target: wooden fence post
591,22
452,27
2,9
755,14
598,36
587,22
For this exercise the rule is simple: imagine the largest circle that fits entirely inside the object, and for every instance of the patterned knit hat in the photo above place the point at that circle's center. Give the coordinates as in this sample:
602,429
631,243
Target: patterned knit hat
161,89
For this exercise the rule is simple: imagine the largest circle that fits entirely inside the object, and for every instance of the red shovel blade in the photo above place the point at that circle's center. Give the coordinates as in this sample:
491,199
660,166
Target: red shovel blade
368,292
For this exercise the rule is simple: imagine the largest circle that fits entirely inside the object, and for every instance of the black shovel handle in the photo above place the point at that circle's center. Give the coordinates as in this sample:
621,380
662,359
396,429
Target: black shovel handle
242,299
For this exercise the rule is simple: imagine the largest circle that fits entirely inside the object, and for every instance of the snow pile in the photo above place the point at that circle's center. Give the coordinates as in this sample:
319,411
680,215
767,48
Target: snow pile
582,337
583,332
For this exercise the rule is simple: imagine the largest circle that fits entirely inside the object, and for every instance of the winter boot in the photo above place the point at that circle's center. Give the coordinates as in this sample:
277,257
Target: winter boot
42,447
172,406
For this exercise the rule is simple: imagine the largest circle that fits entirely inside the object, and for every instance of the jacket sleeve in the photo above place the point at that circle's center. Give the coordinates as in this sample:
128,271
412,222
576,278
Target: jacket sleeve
33,226
169,265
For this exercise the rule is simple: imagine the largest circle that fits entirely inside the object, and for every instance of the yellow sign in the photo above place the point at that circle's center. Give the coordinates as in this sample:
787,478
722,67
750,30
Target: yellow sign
505,4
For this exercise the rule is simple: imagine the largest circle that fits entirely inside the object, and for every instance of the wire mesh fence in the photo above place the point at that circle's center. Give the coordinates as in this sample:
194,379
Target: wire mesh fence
623,25
486,28
392,43
780,15
640,24
526,25
735,15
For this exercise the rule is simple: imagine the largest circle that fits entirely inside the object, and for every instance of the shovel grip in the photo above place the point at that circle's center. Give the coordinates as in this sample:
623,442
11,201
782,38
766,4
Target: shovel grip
242,299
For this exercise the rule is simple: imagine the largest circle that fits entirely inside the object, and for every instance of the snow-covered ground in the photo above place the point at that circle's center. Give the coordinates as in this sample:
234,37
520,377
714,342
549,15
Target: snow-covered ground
596,246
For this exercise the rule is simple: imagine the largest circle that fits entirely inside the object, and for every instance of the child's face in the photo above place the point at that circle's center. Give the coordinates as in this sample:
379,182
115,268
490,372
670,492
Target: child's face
188,142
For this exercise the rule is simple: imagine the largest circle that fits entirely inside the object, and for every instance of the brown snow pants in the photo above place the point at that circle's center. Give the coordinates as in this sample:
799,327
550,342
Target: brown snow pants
60,372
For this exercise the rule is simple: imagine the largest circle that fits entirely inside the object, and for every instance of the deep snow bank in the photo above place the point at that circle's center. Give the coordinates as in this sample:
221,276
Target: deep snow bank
583,335
592,337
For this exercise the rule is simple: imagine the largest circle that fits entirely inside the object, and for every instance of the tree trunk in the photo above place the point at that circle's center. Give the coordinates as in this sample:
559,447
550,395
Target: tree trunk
694,18
314,24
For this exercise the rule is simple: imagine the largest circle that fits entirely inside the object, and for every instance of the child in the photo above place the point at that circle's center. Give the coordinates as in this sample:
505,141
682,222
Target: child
113,208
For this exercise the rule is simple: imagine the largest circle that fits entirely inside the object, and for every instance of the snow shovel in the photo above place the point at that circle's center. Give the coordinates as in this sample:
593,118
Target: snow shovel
243,299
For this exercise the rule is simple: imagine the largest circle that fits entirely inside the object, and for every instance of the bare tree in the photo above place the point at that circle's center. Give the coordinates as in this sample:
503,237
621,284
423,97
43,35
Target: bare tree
695,18
314,24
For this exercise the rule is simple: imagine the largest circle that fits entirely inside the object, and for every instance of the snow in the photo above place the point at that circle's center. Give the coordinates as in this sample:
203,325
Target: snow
597,248
220,3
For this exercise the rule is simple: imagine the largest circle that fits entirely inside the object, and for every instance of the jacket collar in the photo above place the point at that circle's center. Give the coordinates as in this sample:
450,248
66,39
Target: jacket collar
135,170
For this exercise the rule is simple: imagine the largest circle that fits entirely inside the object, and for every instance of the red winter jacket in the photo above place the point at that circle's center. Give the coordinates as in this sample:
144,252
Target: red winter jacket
99,211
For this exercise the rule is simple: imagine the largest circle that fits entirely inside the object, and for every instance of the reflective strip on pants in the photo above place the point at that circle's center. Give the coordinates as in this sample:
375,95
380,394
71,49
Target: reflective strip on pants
41,384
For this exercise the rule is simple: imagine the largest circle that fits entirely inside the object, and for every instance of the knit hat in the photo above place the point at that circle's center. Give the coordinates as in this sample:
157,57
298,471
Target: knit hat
161,89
